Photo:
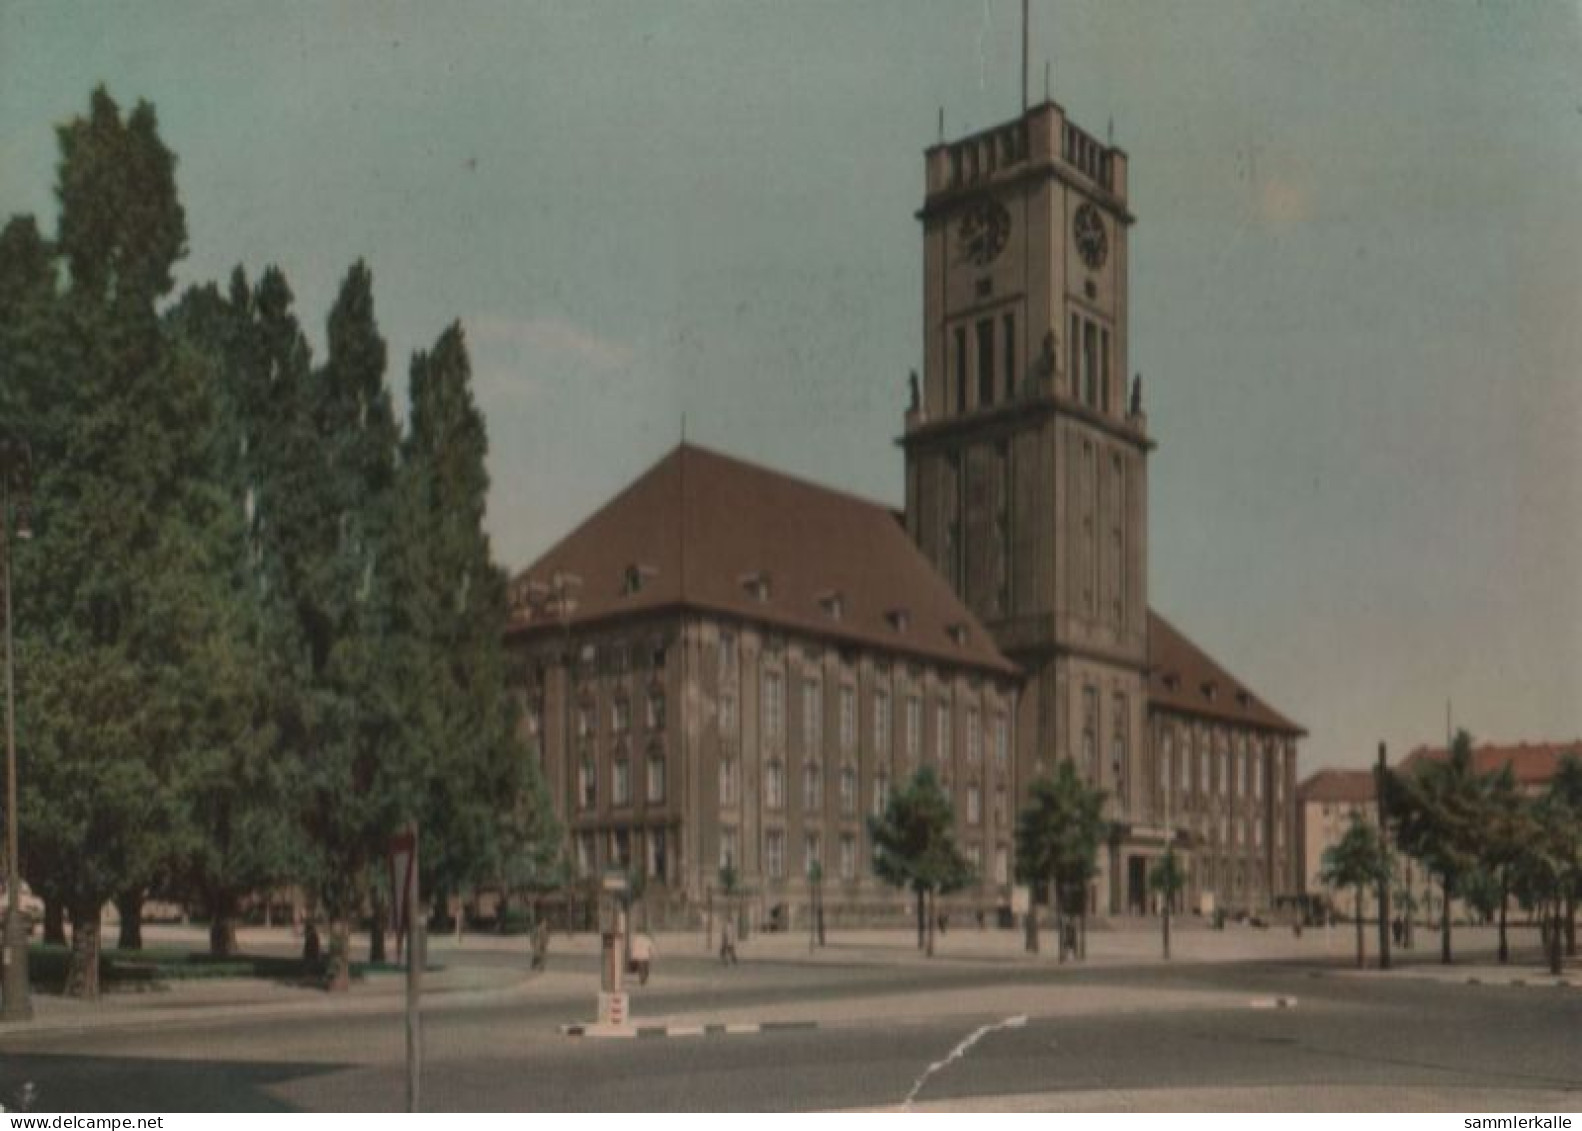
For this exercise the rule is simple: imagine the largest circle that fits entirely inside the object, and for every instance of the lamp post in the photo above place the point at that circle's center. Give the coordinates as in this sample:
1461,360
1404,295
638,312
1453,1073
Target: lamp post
16,473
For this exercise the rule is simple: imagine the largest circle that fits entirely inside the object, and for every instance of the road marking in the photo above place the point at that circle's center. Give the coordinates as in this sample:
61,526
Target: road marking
1272,1003
958,1052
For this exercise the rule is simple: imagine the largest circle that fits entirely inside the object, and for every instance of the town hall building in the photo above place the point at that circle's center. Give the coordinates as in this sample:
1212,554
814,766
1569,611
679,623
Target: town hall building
729,667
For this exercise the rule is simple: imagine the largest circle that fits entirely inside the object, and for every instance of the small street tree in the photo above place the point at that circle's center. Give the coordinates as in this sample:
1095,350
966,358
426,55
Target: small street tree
915,847
1058,836
1357,862
1439,813
1167,878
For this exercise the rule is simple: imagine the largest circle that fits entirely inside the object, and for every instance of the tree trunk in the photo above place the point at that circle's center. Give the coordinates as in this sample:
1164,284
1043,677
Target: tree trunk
1444,922
340,969
54,923
1167,927
222,934
82,974
1571,924
1505,899
922,916
1555,966
129,905
1082,928
376,932
1360,933
929,949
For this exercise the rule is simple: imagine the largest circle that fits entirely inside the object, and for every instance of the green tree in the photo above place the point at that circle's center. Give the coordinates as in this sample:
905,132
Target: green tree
915,847
1167,878
1565,797
1358,862
1439,814
1058,835
1507,823
121,612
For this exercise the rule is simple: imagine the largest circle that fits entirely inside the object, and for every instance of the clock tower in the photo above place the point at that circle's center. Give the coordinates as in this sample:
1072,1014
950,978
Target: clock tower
1026,453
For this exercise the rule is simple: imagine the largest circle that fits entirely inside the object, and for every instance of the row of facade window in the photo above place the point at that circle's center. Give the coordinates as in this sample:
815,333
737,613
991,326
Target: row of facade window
846,859
1089,362
1120,727
620,780
1218,770
986,374
813,790
652,847
911,721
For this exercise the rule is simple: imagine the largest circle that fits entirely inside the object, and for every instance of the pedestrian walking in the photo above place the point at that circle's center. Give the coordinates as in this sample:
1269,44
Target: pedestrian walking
643,952
728,943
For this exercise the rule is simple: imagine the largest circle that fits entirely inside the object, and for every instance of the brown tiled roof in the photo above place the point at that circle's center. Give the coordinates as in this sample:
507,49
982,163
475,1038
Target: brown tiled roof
705,531
1337,785
1532,763
1182,677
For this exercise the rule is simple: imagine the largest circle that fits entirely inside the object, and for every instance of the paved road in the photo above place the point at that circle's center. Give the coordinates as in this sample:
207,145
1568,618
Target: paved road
1111,1037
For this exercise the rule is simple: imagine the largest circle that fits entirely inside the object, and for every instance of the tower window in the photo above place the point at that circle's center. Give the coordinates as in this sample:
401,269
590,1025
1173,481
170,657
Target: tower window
985,363
1074,339
1104,367
1090,363
961,369
1009,323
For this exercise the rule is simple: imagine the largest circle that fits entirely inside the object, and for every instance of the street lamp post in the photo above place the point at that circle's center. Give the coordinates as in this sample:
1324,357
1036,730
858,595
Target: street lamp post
15,479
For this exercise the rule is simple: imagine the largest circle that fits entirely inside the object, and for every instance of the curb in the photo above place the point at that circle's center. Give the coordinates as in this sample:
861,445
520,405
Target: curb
597,1031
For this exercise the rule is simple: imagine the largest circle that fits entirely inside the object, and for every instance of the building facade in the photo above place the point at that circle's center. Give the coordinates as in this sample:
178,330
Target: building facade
728,666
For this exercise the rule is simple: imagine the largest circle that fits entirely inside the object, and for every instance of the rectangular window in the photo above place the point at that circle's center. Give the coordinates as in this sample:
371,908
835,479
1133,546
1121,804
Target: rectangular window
586,721
775,853
774,705
1002,741
811,853
975,859
658,857
813,787
587,854
974,805
775,785
1204,755
729,781
588,783
974,736
1009,324
985,362
914,726
1118,735
942,732
729,849
655,775
1074,349
656,710
848,857
881,723
961,369
727,654
1090,733
881,793
728,716
848,791
812,713
848,717
999,807
621,782
620,716
1002,865
1104,369
1090,363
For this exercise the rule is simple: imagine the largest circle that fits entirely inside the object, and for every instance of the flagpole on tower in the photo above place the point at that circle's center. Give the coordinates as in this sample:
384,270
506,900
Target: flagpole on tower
1024,56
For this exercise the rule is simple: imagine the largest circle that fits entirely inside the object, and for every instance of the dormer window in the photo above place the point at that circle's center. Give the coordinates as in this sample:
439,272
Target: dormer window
900,619
1210,690
958,634
756,585
1244,698
833,602
1172,681
636,577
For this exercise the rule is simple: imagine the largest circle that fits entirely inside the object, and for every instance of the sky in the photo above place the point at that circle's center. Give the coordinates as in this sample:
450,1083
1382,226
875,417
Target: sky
1356,276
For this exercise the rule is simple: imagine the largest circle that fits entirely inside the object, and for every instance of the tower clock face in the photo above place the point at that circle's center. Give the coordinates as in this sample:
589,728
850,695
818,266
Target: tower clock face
985,229
1087,228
